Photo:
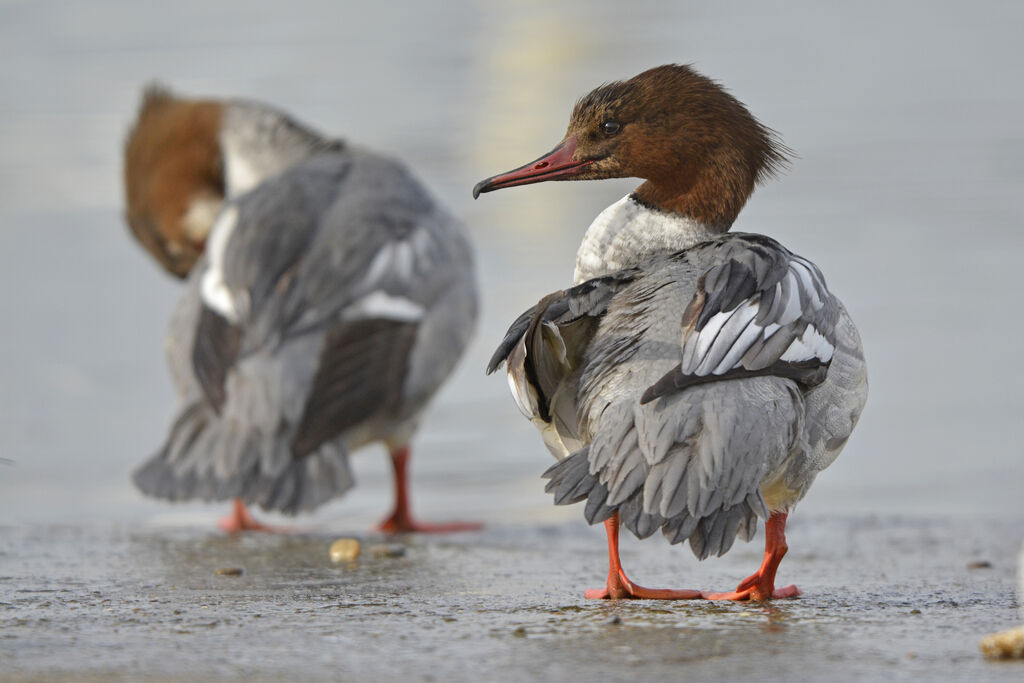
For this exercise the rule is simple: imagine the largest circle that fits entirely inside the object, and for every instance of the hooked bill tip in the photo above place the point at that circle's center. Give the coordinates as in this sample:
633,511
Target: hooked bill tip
480,188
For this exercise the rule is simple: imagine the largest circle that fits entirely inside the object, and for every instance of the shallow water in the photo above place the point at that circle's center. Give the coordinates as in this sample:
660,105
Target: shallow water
906,193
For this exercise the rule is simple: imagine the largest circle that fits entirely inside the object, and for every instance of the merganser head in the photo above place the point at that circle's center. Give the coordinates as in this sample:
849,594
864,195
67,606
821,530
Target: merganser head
699,149
185,157
174,176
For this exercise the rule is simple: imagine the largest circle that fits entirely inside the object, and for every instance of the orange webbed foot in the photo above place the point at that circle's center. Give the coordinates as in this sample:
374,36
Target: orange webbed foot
754,593
241,520
621,588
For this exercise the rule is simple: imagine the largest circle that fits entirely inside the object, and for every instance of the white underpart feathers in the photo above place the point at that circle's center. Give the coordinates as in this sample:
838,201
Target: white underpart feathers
214,289
519,393
522,391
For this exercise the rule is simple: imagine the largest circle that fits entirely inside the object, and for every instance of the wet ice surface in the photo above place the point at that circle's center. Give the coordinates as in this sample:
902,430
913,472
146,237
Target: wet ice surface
884,597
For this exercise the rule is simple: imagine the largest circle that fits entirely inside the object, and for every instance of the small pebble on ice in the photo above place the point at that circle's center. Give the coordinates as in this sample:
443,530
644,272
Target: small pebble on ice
388,550
344,550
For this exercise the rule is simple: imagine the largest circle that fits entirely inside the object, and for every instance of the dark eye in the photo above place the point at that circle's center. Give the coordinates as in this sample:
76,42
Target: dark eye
610,127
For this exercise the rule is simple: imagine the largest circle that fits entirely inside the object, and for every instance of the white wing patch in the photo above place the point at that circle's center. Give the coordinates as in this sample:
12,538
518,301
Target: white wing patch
214,289
393,266
380,304
744,340
810,281
811,344
727,336
400,260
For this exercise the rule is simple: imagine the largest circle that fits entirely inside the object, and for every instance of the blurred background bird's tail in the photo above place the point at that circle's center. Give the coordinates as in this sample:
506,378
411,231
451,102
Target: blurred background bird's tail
210,458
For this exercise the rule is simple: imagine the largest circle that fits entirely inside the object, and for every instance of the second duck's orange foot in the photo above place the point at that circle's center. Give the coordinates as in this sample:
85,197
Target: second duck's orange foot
401,521
241,519
395,525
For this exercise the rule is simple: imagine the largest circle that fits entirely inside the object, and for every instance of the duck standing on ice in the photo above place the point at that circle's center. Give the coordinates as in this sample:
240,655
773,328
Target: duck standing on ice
328,297
694,380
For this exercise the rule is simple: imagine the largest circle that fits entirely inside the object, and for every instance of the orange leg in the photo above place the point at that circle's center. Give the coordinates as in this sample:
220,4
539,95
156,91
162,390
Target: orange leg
241,520
619,586
761,584
401,520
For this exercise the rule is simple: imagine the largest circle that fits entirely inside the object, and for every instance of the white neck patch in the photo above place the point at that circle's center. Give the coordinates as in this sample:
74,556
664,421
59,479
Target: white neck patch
241,173
627,232
257,142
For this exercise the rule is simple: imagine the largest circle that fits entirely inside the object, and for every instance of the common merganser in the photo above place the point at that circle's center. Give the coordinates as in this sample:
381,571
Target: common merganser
693,380
328,297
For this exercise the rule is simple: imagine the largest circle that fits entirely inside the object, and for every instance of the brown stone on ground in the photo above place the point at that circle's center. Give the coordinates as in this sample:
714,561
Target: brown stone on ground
229,571
1005,645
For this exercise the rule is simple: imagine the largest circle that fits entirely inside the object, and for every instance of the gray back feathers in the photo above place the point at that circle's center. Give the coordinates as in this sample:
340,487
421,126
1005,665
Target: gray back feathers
691,386
352,296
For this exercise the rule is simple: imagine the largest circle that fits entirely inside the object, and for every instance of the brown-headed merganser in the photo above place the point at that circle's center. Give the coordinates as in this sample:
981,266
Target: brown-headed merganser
328,297
694,380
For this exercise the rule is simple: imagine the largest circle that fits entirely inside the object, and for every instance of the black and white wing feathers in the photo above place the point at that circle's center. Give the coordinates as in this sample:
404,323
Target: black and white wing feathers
759,310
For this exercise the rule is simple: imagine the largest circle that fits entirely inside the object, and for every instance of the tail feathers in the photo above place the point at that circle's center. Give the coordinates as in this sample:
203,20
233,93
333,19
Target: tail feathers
633,517
680,528
690,463
570,478
207,458
716,533
571,482
712,533
597,509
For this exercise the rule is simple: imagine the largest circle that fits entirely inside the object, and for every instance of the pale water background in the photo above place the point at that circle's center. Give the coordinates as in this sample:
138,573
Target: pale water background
909,122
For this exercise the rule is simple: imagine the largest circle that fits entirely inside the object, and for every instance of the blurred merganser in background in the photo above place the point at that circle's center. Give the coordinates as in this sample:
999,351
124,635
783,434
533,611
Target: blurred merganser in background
693,380
328,297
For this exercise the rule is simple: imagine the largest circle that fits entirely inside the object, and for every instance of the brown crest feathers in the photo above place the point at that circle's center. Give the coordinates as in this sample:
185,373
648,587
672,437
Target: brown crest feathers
699,148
